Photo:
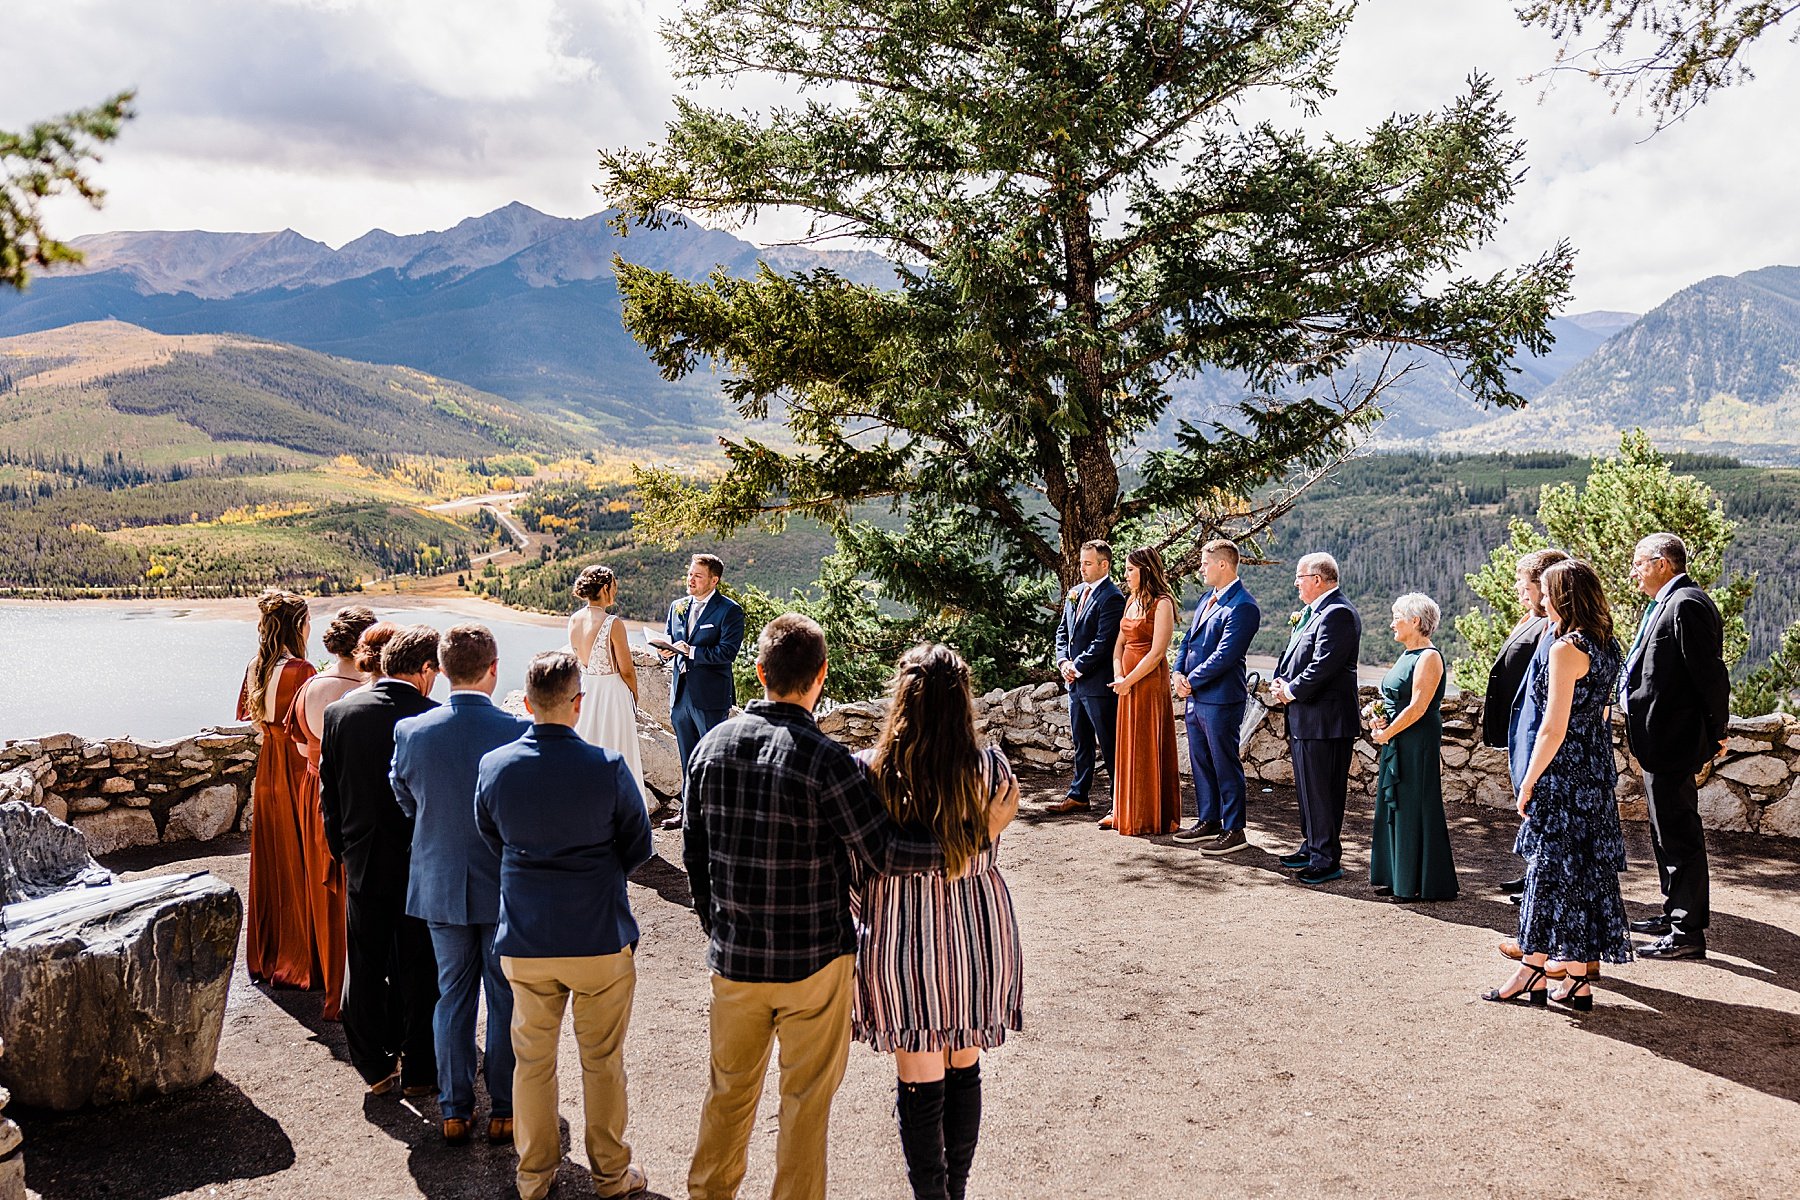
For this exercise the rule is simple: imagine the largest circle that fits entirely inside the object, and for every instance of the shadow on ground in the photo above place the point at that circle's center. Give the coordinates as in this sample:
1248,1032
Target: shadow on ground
209,1135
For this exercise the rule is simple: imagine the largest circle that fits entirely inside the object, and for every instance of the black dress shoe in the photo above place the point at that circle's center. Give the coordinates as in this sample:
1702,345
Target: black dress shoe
1660,926
1513,887
1675,945
1295,861
1199,831
1313,876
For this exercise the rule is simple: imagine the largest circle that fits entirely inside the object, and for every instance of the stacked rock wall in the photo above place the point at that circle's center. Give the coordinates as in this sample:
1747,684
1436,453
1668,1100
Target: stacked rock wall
121,792
1756,789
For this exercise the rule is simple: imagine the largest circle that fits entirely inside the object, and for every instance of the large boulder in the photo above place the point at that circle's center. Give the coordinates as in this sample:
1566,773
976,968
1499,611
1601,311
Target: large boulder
39,855
111,993
659,756
12,1158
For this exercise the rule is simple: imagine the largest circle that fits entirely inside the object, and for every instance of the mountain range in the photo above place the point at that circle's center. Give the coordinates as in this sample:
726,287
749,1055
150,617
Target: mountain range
522,305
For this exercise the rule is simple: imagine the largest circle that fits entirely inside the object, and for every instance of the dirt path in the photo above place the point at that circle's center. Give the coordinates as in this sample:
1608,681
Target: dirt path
1195,1027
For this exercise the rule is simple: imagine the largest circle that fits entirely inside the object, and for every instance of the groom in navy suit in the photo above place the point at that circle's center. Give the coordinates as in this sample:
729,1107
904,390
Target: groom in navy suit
706,631
1316,679
1209,675
1084,654
455,883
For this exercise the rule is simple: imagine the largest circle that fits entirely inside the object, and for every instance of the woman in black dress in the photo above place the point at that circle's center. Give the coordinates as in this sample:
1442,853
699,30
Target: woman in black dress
1571,912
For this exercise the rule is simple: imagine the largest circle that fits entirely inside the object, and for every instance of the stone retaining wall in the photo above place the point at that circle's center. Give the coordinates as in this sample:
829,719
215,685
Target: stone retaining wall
1756,789
121,792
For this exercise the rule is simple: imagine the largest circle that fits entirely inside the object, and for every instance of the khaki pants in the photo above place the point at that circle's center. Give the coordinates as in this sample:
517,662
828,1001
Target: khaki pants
602,986
811,1017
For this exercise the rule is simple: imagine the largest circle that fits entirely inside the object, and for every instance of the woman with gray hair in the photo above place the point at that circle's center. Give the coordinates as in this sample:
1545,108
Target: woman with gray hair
1409,849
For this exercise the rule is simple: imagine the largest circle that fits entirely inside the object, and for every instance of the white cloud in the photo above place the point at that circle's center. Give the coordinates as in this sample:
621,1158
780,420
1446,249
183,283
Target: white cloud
336,116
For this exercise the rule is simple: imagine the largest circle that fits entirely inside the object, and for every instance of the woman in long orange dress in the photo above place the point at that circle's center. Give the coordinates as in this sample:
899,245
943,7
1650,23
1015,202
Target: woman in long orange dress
1146,782
278,922
324,875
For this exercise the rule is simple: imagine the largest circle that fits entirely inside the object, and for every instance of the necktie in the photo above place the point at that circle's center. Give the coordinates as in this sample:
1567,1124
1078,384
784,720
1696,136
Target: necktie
1081,609
1643,626
1305,617
693,615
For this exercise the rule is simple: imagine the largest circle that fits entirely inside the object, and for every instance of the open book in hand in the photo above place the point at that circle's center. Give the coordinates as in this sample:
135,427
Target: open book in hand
661,643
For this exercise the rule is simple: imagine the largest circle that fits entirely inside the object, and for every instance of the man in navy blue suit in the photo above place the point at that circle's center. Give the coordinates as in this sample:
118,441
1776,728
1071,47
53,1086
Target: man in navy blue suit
1209,675
1084,654
705,633
455,882
1316,679
568,822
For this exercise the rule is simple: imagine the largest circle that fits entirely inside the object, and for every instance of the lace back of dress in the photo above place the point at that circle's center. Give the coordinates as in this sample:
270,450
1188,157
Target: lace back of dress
600,660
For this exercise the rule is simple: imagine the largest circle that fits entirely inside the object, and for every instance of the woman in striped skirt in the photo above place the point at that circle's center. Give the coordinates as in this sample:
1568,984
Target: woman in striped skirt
938,975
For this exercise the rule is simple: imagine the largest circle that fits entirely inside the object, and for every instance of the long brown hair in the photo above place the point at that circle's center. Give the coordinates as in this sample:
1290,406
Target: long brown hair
1574,590
927,765
279,631
1153,579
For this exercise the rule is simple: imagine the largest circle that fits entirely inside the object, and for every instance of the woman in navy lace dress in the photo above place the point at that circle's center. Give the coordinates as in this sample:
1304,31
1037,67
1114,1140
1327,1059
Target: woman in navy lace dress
1571,913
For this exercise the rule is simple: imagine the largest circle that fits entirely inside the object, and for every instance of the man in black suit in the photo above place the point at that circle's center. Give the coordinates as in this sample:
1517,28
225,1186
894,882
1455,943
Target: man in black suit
391,987
1084,649
1508,677
1676,697
1316,679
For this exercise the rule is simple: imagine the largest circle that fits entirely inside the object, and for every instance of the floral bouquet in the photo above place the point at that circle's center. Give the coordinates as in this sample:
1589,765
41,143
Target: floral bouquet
1376,713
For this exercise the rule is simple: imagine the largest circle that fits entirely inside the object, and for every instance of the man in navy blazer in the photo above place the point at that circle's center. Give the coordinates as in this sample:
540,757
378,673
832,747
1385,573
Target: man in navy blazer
1085,634
455,883
568,822
1316,679
705,633
1209,675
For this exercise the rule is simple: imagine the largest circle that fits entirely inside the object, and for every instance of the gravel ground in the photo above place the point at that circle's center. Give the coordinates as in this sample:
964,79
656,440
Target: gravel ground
1194,1027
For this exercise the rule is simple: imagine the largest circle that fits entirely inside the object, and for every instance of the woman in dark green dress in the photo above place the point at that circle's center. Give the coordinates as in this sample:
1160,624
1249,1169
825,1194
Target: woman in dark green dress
1409,851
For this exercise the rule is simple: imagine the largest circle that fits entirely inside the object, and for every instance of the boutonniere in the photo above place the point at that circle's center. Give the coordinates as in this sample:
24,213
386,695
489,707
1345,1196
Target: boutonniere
682,606
1294,619
1075,592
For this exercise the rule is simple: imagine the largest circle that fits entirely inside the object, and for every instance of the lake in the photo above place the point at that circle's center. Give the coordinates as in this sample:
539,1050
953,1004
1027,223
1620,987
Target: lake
105,668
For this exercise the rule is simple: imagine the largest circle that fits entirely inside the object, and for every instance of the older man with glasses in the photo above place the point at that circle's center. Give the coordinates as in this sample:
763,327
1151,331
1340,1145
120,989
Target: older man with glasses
1676,697
1316,680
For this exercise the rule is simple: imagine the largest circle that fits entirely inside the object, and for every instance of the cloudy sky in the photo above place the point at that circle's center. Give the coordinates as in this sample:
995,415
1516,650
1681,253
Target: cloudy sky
333,117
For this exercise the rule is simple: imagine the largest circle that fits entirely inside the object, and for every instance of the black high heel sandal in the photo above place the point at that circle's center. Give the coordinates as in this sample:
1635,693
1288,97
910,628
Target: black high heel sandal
1582,1003
1533,993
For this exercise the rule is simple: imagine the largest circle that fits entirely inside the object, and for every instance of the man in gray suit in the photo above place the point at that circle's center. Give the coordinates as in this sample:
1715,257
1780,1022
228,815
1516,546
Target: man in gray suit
455,883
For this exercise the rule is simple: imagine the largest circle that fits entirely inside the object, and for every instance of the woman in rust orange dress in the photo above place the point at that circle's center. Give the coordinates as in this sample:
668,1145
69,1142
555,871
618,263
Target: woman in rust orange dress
1146,784
324,876
277,923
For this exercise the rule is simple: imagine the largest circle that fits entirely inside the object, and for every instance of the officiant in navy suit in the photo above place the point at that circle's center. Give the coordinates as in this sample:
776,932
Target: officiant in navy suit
1084,654
705,633
455,883
1209,675
1316,680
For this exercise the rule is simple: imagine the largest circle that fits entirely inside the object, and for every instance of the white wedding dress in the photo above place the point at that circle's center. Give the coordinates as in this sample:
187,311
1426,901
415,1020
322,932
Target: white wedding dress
608,713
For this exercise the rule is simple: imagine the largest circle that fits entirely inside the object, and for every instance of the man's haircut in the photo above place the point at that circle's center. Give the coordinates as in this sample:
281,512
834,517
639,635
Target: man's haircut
791,652
1532,566
713,563
466,652
1667,547
1323,565
1103,549
552,679
410,651
1223,548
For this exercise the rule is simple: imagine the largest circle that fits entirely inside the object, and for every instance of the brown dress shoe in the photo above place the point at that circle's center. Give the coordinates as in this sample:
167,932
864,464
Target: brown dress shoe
499,1130
456,1130
1069,804
384,1087
636,1184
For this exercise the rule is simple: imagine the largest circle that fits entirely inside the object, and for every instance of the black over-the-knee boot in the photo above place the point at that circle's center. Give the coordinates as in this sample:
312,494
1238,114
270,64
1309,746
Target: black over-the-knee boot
962,1124
921,1109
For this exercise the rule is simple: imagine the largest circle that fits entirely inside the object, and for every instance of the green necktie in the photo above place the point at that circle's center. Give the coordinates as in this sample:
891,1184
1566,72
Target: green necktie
1305,616
1643,625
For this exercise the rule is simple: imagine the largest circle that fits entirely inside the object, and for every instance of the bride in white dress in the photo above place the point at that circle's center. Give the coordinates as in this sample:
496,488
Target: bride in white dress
609,708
